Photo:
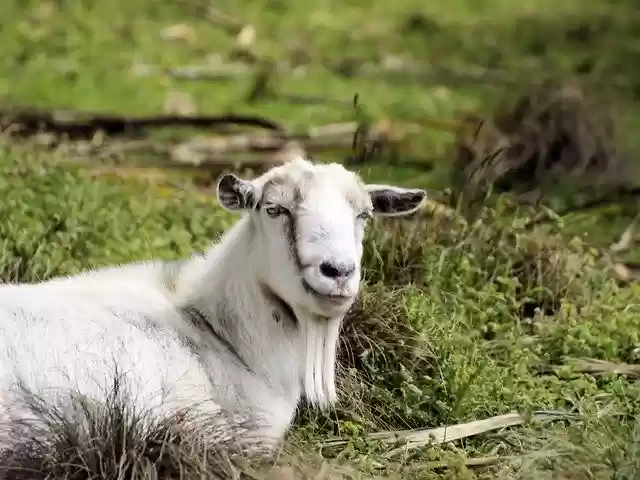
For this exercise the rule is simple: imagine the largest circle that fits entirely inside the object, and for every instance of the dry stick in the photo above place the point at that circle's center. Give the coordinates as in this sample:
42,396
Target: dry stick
80,125
440,435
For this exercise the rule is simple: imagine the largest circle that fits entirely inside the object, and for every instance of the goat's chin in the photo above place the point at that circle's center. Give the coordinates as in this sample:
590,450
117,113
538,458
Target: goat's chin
327,305
327,300
330,308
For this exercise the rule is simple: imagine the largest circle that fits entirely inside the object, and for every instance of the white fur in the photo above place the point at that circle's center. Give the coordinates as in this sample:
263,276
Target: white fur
71,333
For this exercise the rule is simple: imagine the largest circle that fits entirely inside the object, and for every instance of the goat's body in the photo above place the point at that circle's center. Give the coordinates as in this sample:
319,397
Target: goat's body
234,336
74,334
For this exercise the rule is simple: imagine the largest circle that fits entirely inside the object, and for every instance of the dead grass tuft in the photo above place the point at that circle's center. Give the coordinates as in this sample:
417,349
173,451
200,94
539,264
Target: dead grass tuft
550,133
84,439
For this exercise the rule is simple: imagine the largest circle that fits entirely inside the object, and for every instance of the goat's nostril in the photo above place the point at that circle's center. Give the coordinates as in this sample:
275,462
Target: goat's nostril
329,270
336,270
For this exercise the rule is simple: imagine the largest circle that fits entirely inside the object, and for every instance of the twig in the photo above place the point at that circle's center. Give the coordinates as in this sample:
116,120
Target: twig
440,435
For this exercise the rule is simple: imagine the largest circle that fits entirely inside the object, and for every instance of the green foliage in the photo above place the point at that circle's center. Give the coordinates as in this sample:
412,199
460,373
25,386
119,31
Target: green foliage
58,221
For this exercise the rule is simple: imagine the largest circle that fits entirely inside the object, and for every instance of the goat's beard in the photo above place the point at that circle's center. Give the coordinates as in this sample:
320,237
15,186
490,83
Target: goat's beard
321,343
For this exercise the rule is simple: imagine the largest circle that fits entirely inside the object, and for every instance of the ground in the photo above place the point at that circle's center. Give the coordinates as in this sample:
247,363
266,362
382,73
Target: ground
457,322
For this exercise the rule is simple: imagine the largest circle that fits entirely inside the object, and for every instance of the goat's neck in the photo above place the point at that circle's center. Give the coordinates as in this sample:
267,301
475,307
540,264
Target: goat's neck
225,285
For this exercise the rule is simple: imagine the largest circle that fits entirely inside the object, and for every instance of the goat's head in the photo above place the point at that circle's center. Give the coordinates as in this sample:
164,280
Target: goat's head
310,220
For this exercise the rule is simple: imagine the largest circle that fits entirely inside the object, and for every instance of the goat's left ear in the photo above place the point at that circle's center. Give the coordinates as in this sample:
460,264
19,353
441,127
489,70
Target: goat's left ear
390,201
236,194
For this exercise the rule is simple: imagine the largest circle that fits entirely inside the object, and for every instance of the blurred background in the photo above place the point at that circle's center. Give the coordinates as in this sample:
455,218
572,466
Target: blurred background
537,98
521,118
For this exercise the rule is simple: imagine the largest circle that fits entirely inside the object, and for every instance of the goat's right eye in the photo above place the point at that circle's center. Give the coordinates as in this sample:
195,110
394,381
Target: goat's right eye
274,210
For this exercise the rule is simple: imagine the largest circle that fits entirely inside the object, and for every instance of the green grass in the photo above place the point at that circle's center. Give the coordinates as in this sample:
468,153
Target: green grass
455,323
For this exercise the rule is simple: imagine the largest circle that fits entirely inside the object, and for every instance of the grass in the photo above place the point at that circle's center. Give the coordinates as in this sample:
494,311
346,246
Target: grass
456,322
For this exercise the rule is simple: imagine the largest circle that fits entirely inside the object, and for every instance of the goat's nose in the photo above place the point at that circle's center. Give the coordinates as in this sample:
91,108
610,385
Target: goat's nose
337,269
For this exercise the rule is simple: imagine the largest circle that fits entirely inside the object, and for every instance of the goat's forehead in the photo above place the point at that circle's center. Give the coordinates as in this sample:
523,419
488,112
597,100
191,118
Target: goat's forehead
301,182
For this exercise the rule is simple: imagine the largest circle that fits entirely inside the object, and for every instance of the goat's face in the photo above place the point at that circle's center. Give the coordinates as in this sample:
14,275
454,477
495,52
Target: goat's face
310,221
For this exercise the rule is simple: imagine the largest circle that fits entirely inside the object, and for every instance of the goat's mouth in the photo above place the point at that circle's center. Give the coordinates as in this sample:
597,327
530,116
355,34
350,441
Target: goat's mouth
331,297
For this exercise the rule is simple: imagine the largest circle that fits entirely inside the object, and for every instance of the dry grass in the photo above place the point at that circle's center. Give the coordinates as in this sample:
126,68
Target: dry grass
548,134
83,439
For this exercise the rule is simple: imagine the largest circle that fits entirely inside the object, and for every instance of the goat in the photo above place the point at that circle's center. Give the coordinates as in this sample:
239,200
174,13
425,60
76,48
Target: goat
248,328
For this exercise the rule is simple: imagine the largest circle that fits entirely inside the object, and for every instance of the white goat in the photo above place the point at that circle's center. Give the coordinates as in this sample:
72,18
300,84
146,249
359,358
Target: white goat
248,327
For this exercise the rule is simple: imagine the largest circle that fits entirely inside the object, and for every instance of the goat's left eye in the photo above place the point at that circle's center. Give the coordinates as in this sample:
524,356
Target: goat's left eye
364,215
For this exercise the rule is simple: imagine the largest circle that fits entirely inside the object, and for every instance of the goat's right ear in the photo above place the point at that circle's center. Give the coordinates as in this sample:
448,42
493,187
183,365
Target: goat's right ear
236,194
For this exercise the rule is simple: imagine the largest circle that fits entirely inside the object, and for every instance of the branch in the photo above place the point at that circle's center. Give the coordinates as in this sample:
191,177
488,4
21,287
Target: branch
440,435
79,125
